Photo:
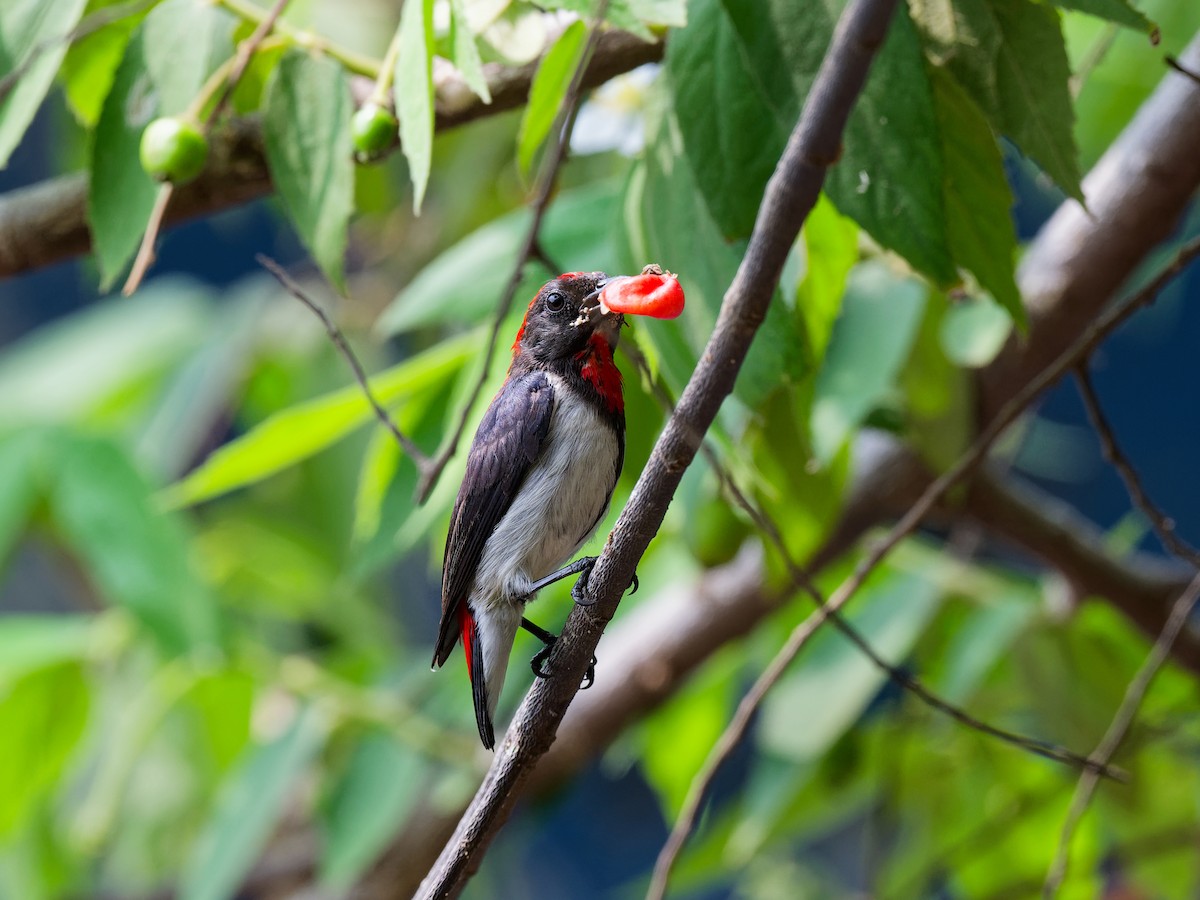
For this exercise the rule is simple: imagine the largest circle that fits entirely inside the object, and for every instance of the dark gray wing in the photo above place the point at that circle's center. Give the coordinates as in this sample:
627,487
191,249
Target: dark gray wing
508,440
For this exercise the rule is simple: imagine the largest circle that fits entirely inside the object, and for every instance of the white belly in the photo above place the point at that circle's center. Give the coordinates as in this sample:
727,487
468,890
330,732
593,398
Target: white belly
563,496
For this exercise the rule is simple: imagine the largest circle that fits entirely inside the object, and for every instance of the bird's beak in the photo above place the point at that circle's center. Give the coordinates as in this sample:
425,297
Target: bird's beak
602,321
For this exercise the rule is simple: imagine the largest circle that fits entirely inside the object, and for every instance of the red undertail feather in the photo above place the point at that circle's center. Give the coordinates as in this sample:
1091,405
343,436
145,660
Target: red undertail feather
467,624
474,652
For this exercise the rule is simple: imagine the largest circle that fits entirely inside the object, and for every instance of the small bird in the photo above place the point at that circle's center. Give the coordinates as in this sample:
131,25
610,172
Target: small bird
540,475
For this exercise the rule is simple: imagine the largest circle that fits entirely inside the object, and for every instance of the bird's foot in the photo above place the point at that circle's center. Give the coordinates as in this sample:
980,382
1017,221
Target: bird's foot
538,663
579,591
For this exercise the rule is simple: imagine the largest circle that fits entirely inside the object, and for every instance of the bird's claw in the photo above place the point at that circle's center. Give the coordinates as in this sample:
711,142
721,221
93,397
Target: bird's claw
538,664
579,590
539,660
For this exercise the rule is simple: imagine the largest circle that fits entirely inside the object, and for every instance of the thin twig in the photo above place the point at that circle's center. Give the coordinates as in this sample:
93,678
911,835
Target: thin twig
1182,69
85,28
245,52
736,730
146,253
145,256
343,346
1163,525
802,580
1121,722
530,249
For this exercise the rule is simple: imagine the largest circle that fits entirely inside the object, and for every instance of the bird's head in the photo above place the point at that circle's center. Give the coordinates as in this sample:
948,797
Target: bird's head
563,317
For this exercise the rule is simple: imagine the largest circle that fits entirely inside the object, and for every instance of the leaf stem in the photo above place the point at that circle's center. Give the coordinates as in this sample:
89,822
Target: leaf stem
387,71
353,62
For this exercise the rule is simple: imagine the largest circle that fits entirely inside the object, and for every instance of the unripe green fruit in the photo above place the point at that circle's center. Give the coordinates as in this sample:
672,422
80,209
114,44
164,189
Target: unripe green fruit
374,130
173,150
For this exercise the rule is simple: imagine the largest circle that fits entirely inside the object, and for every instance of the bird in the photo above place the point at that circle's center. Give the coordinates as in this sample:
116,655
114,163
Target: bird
539,479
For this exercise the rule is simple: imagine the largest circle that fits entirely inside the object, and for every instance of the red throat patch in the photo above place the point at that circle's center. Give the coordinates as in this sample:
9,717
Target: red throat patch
601,372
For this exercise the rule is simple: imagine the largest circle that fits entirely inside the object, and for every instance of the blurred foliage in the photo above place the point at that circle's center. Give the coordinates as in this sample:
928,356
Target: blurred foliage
219,596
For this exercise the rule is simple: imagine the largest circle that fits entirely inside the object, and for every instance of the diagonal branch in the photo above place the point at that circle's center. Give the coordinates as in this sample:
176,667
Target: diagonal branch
801,580
790,195
1163,525
908,523
343,347
1121,723
1142,586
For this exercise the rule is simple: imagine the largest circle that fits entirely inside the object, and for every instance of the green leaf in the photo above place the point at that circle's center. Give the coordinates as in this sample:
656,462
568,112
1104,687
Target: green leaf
464,51
72,368
379,465
382,782
464,283
91,63
166,63
736,114
183,42
32,642
668,222
1118,11
1010,57
977,197
306,130
414,93
223,702
548,91
984,638
892,177
296,433
20,457
871,340
826,692
1033,96
678,736
803,497
974,330
250,802
730,134
137,556
633,16
121,194
936,397
32,34
830,243
42,715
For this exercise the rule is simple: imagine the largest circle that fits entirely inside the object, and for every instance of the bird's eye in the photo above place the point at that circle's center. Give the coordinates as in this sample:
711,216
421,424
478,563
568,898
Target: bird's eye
555,301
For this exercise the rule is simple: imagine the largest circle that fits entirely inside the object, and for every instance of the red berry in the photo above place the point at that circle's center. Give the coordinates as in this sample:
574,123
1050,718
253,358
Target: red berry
649,294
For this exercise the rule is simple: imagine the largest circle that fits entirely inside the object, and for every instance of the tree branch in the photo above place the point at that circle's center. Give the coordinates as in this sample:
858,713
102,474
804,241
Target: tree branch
1136,194
1142,587
343,347
46,223
1116,732
790,195
1163,525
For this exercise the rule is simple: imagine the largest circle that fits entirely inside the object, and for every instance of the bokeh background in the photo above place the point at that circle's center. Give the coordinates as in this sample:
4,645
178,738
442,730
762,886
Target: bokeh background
327,579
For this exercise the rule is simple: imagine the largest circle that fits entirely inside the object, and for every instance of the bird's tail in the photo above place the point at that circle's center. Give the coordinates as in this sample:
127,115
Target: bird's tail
487,637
